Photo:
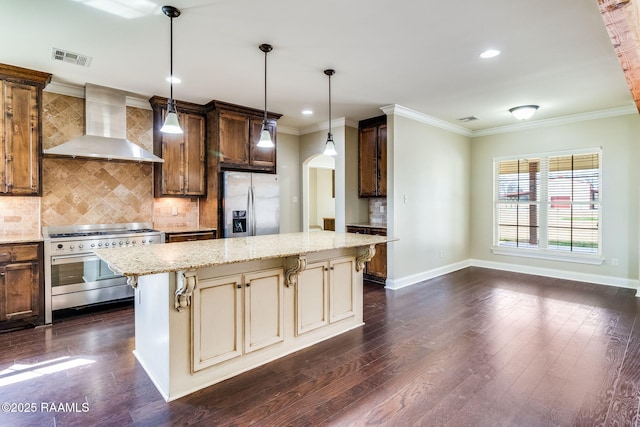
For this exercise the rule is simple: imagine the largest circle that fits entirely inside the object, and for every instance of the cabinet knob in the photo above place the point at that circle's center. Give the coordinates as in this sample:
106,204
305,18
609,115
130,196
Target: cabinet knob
248,285
239,286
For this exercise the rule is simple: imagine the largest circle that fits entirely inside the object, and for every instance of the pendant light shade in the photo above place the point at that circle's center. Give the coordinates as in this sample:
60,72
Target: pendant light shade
171,123
330,146
265,135
523,112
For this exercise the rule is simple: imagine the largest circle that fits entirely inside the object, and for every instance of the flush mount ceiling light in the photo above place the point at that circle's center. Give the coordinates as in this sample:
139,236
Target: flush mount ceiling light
329,146
523,112
489,53
171,123
265,136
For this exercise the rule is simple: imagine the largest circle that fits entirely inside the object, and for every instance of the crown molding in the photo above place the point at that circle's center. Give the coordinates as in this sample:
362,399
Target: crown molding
288,130
424,118
325,125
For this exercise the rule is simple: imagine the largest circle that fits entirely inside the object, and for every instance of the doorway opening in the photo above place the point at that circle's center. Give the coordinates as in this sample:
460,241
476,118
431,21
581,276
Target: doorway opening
319,202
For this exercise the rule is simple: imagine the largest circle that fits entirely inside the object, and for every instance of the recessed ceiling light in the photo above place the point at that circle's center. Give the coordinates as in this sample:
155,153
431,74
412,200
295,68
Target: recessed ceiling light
307,112
174,79
489,53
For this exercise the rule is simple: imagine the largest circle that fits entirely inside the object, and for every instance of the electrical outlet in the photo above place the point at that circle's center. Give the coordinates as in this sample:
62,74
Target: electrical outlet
614,262
174,210
406,198
381,209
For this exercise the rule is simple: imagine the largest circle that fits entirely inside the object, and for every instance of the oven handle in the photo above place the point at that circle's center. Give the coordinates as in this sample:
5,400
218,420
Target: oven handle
70,259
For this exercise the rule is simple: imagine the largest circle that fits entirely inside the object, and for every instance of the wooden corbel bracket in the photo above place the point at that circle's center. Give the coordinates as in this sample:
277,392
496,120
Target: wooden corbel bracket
366,256
187,282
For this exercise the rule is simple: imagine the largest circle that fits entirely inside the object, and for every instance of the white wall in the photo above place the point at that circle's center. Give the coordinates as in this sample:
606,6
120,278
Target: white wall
619,138
428,182
288,168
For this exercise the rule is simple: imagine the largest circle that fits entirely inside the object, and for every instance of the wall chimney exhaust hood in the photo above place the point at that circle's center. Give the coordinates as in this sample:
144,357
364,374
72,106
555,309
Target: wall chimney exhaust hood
106,130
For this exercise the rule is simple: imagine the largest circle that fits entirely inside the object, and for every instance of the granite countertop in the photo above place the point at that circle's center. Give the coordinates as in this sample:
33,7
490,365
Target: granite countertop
152,259
20,238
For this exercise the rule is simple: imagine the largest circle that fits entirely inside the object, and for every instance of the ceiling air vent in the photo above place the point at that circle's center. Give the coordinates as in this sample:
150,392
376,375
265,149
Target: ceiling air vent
70,57
468,119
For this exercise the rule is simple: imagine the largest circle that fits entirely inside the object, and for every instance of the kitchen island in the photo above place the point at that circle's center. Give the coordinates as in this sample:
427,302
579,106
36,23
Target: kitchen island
208,310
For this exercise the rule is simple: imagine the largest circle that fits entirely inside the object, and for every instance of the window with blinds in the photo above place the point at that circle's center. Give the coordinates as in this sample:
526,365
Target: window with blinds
549,202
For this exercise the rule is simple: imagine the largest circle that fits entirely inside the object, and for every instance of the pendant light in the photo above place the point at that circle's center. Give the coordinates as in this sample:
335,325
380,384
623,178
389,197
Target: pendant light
329,146
171,123
265,136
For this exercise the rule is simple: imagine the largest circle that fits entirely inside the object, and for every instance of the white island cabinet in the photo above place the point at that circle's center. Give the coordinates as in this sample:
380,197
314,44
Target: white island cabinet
208,310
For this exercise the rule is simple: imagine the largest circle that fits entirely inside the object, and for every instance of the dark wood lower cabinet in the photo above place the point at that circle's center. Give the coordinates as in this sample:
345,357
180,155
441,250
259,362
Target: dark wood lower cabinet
189,236
376,269
21,285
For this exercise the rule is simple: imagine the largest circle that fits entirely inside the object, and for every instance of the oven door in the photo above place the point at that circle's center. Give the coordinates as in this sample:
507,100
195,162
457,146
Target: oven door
78,280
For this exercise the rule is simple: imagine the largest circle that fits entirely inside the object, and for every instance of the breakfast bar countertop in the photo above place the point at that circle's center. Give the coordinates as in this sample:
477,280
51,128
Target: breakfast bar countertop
168,257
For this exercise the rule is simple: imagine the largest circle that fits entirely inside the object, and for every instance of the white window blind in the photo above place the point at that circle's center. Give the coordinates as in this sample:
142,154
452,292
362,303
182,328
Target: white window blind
549,203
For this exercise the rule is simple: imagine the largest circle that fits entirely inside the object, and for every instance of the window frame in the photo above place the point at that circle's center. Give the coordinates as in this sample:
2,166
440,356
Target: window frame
542,251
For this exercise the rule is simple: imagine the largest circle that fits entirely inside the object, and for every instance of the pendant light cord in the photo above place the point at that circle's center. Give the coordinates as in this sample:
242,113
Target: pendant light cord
265,89
171,60
329,104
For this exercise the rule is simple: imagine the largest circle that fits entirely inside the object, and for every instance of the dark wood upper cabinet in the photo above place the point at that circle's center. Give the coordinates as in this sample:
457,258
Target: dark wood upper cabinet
372,157
183,172
236,132
21,130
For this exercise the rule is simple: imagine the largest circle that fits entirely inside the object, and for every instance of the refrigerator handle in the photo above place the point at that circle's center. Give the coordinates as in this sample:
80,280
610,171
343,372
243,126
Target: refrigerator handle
249,211
253,212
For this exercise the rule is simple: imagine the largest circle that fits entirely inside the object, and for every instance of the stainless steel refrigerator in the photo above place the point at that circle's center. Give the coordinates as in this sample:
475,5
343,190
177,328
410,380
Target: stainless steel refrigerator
250,204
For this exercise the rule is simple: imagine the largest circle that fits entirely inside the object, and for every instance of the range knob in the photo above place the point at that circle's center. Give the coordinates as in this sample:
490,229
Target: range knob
80,246
71,246
121,243
127,242
60,245
99,245
93,245
133,242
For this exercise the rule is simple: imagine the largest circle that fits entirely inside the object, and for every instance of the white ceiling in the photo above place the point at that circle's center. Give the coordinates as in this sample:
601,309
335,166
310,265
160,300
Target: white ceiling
420,54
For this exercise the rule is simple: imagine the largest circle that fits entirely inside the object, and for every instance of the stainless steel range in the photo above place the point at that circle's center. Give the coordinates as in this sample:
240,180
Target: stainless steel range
75,276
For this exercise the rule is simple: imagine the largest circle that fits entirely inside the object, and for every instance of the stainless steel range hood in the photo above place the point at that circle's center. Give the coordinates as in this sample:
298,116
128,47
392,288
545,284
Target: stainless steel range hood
106,130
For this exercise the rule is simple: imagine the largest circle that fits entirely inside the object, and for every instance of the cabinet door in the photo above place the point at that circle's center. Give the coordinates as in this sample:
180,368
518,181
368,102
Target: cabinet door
194,157
173,152
183,170
382,161
264,309
342,291
216,321
234,138
21,143
378,265
20,291
367,160
312,298
263,157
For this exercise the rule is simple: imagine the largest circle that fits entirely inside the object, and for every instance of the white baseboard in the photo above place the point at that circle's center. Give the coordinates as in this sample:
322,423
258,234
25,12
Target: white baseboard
426,275
516,268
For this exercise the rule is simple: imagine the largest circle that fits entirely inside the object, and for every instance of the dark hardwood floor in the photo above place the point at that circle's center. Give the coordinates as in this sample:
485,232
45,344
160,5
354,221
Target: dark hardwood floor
476,347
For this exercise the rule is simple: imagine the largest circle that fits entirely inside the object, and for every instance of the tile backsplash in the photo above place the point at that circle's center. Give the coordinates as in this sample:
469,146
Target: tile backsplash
78,191
19,216
378,210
